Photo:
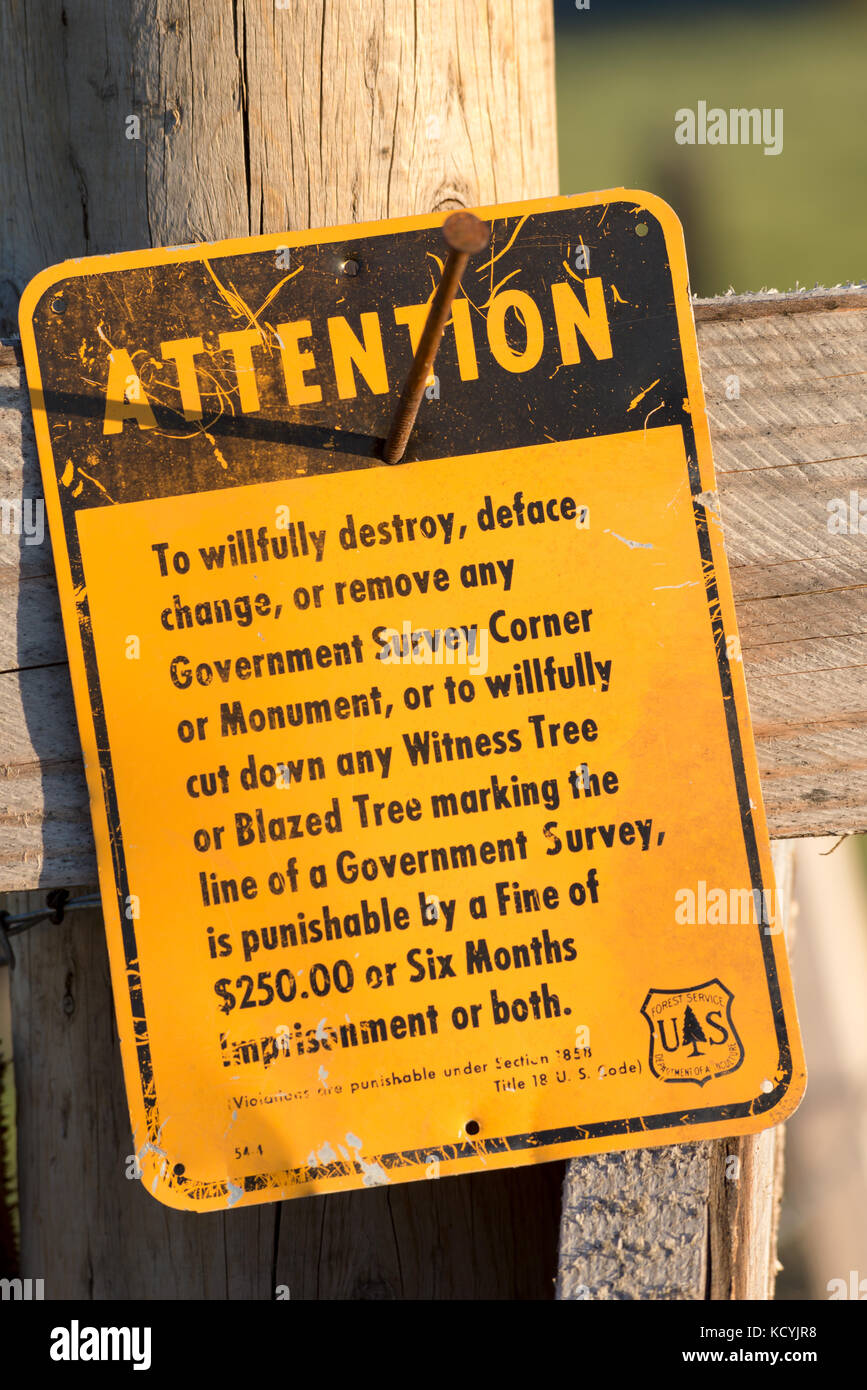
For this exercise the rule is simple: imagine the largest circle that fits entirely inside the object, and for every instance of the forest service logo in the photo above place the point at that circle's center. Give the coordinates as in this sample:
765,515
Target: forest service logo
692,1033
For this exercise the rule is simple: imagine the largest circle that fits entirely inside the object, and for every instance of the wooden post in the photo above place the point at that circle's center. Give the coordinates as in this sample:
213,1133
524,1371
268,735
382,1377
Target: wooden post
152,123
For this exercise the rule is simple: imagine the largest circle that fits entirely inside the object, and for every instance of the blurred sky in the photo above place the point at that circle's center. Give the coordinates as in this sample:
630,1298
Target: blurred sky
752,220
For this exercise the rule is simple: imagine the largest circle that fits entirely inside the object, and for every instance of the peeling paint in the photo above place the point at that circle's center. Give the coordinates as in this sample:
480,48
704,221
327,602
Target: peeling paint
97,484
374,1174
633,545
217,454
236,304
489,264
499,285
710,500
636,400
569,271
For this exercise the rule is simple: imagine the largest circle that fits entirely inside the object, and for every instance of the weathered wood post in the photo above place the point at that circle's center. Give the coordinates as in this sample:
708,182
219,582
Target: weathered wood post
155,123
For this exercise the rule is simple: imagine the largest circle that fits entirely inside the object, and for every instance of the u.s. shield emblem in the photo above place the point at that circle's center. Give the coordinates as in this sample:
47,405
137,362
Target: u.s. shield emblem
692,1033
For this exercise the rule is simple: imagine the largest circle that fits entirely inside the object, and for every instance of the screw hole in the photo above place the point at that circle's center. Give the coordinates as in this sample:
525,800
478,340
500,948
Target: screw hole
642,229
472,1127
179,1170
58,304
350,267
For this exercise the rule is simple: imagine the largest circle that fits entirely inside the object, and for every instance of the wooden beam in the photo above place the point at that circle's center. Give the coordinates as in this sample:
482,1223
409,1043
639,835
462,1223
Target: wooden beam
764,302
787,399
673,1223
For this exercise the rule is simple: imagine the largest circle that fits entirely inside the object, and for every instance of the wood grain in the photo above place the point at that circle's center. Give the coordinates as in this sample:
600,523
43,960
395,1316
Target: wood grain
89,1230
795,440
758,304
634,1225
252,119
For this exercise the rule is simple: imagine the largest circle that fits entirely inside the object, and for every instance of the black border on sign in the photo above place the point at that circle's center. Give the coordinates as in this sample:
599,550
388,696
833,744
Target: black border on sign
683,1118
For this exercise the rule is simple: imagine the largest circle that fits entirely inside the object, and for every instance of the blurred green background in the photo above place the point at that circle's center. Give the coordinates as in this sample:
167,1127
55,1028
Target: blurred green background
751,220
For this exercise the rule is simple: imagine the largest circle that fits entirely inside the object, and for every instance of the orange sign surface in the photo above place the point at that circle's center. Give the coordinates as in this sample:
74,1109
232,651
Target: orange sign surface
429,829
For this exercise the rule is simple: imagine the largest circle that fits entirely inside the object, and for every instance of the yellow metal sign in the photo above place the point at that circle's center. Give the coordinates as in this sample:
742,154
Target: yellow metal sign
429,829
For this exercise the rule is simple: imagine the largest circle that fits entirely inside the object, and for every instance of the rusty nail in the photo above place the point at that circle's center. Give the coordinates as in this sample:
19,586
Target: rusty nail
465,235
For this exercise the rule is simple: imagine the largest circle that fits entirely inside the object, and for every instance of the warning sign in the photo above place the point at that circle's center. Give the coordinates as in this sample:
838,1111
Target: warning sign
429,829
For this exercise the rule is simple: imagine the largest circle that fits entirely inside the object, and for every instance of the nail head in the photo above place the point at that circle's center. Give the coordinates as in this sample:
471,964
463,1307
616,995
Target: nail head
465,232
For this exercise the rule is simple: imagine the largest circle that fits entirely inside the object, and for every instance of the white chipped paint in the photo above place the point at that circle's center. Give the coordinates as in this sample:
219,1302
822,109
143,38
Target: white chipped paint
633,545
374,1174
709,500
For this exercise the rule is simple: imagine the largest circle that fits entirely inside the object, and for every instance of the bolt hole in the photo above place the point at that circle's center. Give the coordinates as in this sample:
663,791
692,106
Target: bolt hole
642,229
472,1127
350,267
179,1170
58,304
